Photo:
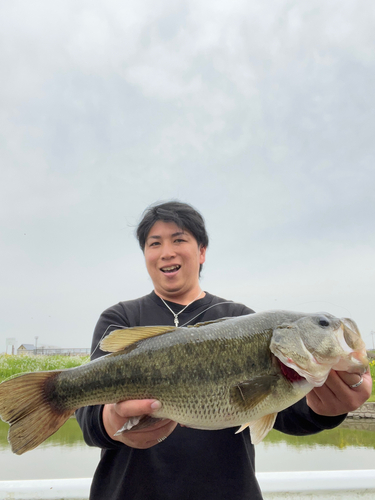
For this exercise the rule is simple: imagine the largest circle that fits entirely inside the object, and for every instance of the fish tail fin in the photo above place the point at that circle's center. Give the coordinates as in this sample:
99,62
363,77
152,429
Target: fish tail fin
25,405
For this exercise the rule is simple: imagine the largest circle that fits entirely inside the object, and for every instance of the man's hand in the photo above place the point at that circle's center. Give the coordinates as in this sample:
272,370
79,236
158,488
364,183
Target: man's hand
336,397
116,415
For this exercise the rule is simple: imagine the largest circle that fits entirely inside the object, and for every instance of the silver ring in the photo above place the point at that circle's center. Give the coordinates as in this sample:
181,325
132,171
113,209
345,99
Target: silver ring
160,440
357,384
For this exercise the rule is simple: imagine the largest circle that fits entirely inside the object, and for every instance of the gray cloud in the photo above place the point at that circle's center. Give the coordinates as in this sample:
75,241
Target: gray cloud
261,115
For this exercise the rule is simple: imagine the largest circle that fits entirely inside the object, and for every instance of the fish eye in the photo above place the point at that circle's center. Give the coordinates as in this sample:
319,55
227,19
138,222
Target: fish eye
323,321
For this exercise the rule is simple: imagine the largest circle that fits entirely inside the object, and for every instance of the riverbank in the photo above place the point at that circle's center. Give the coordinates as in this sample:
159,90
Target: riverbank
11,365
367,410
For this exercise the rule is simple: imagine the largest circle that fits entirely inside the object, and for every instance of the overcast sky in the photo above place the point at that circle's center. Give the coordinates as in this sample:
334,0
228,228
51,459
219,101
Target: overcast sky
260,114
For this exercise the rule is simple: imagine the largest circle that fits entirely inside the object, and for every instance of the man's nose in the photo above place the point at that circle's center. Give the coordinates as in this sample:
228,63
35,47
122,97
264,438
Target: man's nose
168,251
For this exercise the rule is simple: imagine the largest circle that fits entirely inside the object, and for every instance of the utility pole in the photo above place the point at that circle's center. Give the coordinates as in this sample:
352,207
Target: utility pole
36,345
373,335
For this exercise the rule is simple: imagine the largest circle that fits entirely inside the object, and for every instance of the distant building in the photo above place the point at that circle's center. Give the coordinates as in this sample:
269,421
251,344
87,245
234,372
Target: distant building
30,350
51,351
26,349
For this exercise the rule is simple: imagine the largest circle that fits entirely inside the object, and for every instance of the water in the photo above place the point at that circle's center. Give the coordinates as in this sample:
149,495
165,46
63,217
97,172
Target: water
348,447
65,455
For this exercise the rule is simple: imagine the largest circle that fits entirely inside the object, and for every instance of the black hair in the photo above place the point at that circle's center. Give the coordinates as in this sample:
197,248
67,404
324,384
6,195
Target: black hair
182,214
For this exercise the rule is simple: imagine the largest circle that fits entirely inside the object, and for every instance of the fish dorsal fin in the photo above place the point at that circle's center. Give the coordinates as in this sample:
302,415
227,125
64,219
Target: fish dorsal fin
204,323
261,427
248,394
120,339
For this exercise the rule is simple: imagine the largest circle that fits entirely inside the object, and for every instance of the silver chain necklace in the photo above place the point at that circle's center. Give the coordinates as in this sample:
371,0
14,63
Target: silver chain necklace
176,322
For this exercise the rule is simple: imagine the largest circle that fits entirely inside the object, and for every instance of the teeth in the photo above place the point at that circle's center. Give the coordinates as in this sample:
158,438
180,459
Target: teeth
172,268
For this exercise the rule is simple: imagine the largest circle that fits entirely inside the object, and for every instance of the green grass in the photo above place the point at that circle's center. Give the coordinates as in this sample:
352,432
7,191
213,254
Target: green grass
14,365
339,437
372,368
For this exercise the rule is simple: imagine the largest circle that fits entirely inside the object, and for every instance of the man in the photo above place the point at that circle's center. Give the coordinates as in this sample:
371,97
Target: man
166,461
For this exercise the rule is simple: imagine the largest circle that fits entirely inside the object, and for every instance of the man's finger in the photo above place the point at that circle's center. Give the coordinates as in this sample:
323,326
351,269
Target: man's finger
349,378
135,408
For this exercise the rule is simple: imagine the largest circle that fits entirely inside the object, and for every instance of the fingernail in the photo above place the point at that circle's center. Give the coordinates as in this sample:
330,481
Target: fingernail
156,405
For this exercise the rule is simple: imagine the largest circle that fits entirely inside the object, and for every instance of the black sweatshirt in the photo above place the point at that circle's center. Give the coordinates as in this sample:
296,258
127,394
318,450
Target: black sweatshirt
190,464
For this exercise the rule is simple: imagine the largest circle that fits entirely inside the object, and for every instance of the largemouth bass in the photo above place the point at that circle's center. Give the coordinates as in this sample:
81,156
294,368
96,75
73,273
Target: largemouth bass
231,372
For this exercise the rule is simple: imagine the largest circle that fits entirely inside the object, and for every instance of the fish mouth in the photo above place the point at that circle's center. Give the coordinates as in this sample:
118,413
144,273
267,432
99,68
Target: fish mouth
315,372
170,269
289,373
350,341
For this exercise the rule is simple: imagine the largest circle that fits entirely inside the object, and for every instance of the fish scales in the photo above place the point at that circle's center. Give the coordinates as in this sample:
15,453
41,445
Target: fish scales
230,372
191,371
173,367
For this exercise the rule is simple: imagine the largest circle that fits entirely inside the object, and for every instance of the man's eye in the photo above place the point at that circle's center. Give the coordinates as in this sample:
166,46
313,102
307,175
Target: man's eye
179,240
154,244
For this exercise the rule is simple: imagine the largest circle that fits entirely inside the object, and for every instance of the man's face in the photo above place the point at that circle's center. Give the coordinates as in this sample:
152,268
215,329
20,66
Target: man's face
172,259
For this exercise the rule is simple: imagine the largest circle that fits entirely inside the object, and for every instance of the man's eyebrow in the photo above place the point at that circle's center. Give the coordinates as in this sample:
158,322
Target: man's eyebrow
157,237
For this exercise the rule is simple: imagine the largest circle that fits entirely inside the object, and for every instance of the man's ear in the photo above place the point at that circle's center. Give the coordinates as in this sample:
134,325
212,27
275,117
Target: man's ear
202,252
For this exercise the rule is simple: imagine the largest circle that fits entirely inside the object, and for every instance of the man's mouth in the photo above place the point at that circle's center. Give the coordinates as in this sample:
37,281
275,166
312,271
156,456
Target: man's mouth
170,269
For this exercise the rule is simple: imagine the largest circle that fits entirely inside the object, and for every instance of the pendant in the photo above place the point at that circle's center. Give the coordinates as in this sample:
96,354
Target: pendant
176,321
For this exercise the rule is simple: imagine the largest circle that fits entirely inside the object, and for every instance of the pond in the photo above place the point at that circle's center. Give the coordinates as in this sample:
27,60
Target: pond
65,455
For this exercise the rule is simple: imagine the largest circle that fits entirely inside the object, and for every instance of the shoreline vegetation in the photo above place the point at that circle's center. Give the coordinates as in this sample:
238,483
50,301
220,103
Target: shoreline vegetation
11,365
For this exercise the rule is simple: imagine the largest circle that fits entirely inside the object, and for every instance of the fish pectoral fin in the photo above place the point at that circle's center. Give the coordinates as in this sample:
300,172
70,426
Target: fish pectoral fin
247,395
261,427
121,339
